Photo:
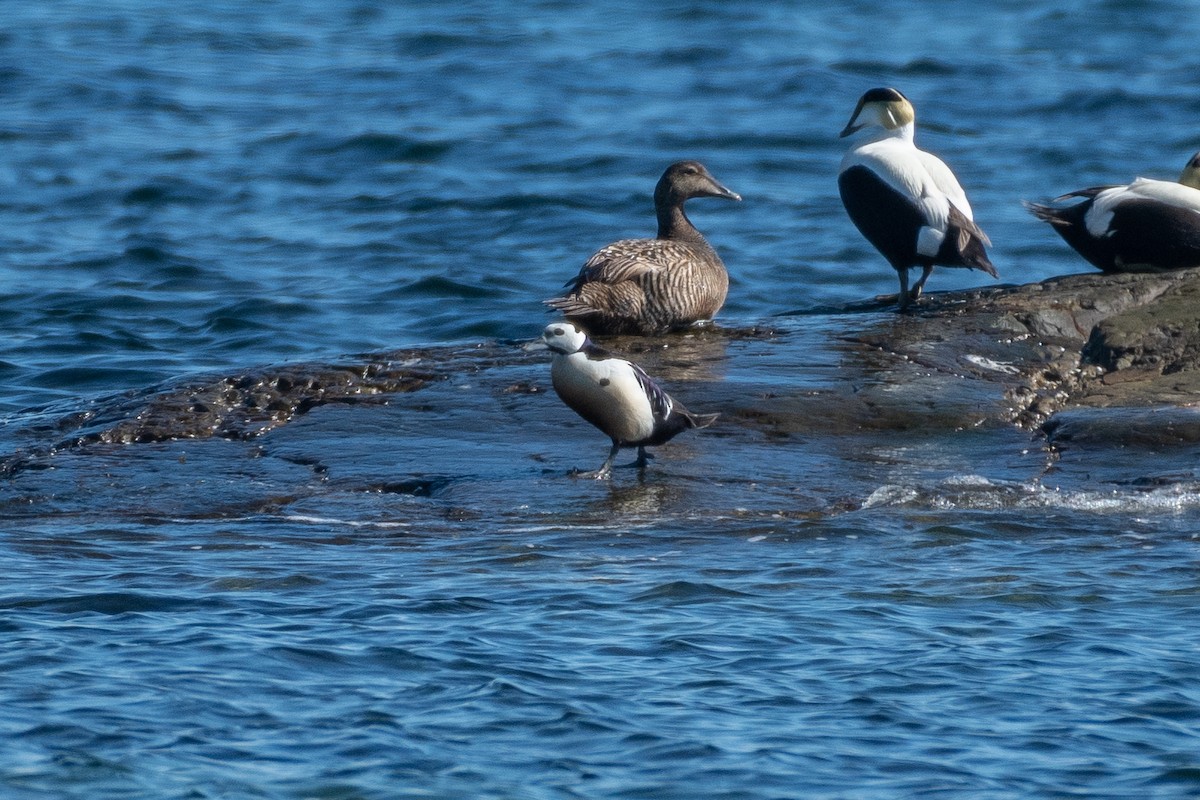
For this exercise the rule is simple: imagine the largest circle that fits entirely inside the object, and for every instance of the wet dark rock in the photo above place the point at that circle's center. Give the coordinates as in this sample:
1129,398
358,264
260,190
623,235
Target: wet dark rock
235,407
1080,359
1162,336
245,406
1162,426
1094,340
417,486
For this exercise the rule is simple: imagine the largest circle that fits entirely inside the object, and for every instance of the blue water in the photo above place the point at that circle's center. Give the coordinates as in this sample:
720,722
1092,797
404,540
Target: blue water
408,598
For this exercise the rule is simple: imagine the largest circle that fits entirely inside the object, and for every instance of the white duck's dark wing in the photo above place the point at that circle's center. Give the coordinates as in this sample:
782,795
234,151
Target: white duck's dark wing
660,402
885,215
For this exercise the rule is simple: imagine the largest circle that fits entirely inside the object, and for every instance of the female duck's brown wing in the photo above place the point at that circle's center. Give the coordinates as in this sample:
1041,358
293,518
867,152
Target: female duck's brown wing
643,286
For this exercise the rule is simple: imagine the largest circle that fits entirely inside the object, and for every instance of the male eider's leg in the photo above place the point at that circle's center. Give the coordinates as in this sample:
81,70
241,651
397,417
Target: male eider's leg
902,272
926,271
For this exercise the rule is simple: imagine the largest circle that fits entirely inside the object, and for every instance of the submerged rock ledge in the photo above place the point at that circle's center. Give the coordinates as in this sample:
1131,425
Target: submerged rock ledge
1075,358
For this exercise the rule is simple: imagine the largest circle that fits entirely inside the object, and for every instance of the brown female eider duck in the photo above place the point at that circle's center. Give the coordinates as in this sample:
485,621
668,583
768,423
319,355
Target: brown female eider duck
1142,226
651,286
906,202
615,395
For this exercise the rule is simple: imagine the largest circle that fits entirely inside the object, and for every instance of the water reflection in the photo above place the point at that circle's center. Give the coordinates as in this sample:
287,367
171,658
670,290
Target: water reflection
644,497
699,356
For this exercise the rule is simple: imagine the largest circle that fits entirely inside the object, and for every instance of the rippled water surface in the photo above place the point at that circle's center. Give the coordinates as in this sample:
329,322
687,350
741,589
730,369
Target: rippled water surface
405,596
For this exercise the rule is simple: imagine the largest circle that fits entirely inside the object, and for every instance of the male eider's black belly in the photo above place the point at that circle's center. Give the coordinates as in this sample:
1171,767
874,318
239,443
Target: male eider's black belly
1147,234
887,218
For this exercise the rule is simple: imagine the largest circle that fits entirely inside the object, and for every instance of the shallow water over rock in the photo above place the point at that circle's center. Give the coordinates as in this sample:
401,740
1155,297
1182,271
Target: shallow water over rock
973,384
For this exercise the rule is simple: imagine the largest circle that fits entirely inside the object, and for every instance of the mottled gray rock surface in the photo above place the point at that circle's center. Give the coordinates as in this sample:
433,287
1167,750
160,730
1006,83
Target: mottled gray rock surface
1091,341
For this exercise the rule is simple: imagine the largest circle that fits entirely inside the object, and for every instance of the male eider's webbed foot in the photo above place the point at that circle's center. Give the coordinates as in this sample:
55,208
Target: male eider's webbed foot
919,286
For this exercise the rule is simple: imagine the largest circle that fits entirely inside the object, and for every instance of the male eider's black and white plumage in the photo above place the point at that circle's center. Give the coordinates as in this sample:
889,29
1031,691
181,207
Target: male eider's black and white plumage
906,202
652,286
615,395
1146,225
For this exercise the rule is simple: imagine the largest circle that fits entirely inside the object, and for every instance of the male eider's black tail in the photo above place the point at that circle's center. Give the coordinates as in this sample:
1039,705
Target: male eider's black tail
1055,216
975,257
970,243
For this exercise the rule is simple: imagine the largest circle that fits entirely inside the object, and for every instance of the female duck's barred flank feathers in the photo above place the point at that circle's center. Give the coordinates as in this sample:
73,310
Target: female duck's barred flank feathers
1144,225
651,286
646,286
629,259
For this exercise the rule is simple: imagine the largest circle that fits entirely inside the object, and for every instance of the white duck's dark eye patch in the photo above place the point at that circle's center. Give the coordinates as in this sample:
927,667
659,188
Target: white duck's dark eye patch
558,332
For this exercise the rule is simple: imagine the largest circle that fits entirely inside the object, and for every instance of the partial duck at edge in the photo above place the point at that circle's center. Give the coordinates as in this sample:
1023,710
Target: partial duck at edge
1146,225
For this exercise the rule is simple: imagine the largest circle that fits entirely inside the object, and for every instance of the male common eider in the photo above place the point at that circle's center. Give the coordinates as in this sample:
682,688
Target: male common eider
651,286
615,395
905,201
1144,225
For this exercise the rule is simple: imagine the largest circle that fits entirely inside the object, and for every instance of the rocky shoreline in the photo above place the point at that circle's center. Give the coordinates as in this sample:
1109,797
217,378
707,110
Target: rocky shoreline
1069,357
1078,341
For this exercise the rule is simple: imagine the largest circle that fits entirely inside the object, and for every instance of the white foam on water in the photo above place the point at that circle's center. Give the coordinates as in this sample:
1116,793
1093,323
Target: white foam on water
349,523
975,492
991,364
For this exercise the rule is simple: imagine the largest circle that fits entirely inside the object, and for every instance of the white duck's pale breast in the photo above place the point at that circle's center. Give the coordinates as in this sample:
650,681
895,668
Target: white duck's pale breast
605,393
